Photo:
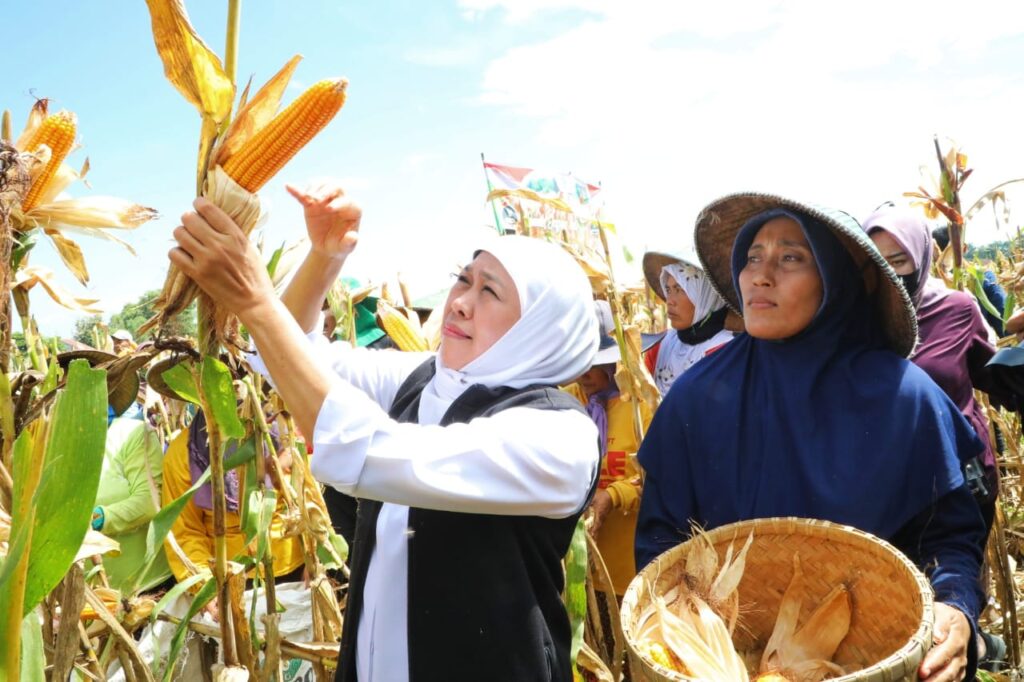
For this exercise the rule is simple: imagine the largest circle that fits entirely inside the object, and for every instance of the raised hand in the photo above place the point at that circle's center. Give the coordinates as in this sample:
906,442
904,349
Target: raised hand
332,219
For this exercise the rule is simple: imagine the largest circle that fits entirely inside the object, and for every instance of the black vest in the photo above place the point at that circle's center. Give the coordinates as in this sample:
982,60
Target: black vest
485,590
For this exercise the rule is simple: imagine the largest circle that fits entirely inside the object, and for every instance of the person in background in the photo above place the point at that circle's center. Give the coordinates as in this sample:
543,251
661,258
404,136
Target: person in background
128,494
123,342
953,348
615,504
995,294
187,457
815,412
697,317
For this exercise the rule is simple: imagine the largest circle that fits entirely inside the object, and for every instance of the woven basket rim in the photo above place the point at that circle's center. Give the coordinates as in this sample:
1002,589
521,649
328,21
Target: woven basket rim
910,652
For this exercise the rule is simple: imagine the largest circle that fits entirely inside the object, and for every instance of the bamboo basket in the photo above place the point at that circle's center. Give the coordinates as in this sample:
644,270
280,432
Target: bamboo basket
891,624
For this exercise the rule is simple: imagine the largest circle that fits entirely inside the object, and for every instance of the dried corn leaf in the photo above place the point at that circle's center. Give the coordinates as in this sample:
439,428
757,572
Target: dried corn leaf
732,572
36,116
805,653
30,276
71,254
191,67
95,212
257,112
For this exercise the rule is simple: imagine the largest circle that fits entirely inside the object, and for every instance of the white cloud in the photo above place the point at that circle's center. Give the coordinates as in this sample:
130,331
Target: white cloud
672,104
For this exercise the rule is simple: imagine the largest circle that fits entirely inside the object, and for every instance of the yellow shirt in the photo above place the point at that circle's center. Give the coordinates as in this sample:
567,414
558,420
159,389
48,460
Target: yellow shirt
193,528
620,477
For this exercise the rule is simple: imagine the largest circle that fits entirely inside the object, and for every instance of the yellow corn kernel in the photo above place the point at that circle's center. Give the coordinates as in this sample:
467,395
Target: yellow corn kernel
400,329
658,653
266,152
58,133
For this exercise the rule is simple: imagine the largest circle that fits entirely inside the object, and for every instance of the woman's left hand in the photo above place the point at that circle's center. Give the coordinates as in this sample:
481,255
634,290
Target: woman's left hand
214,252
599,508
947,659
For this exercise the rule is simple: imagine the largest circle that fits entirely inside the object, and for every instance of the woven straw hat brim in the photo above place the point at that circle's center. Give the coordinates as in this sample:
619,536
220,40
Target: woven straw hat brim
121,395
654,261
720,221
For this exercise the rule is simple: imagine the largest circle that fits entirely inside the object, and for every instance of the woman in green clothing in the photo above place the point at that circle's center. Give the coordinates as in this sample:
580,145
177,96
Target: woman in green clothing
128,496
127,499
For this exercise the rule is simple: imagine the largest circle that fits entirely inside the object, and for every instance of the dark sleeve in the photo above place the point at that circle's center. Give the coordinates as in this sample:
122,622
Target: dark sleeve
979,352
667,503
945,542
997,297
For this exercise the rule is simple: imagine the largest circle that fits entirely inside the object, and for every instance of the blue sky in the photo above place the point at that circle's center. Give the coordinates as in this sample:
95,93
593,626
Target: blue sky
668,104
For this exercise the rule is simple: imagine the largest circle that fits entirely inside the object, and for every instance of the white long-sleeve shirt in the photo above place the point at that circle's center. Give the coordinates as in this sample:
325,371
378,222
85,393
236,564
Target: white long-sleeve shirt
521,461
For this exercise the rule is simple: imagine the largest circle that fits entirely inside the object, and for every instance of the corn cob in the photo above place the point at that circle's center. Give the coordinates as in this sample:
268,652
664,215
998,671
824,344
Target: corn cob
266,152
658,653
401,330
111,600
58,133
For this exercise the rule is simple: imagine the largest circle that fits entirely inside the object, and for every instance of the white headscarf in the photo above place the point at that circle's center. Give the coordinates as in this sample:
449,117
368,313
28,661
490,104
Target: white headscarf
674,356
554,340
696,285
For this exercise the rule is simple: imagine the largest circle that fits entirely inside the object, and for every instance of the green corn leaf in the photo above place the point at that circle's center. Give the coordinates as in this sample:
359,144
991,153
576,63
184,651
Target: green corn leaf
161,524
220,394
202,598
627,254
977,287
576,590
275,258
71,476
33,661
62,462
181,381
265,517
175,592
51,379
1009,306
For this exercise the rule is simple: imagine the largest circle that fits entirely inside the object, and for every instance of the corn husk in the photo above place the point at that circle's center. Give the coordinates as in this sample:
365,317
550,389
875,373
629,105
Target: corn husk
179,291
692,624
803,654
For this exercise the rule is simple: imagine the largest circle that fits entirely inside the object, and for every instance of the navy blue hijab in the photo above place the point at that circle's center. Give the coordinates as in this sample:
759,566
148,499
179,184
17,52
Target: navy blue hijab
827,424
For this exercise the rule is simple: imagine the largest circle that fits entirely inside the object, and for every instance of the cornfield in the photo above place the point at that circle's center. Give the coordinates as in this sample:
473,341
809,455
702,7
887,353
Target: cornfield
59,616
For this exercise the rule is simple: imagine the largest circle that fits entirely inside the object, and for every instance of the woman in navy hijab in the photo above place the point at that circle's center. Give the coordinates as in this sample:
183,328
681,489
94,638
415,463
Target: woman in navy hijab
815,412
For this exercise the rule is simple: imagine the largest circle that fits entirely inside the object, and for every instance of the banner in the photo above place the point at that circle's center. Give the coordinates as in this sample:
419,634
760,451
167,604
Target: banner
529,201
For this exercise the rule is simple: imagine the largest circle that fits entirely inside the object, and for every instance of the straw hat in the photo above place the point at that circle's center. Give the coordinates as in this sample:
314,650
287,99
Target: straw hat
122,373
721,220
653,263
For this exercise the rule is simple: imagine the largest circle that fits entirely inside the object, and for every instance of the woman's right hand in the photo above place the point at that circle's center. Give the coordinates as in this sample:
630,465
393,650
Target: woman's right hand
332,219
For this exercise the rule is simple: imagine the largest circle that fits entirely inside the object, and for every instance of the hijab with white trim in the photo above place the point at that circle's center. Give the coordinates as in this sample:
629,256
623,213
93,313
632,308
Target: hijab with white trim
678,352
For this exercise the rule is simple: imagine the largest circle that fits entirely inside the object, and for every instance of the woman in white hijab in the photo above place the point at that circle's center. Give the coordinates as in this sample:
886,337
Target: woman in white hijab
470,466
696,313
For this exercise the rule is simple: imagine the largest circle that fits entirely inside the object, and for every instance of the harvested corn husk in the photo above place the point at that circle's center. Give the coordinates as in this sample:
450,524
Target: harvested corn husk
805,654
689,629
690,638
